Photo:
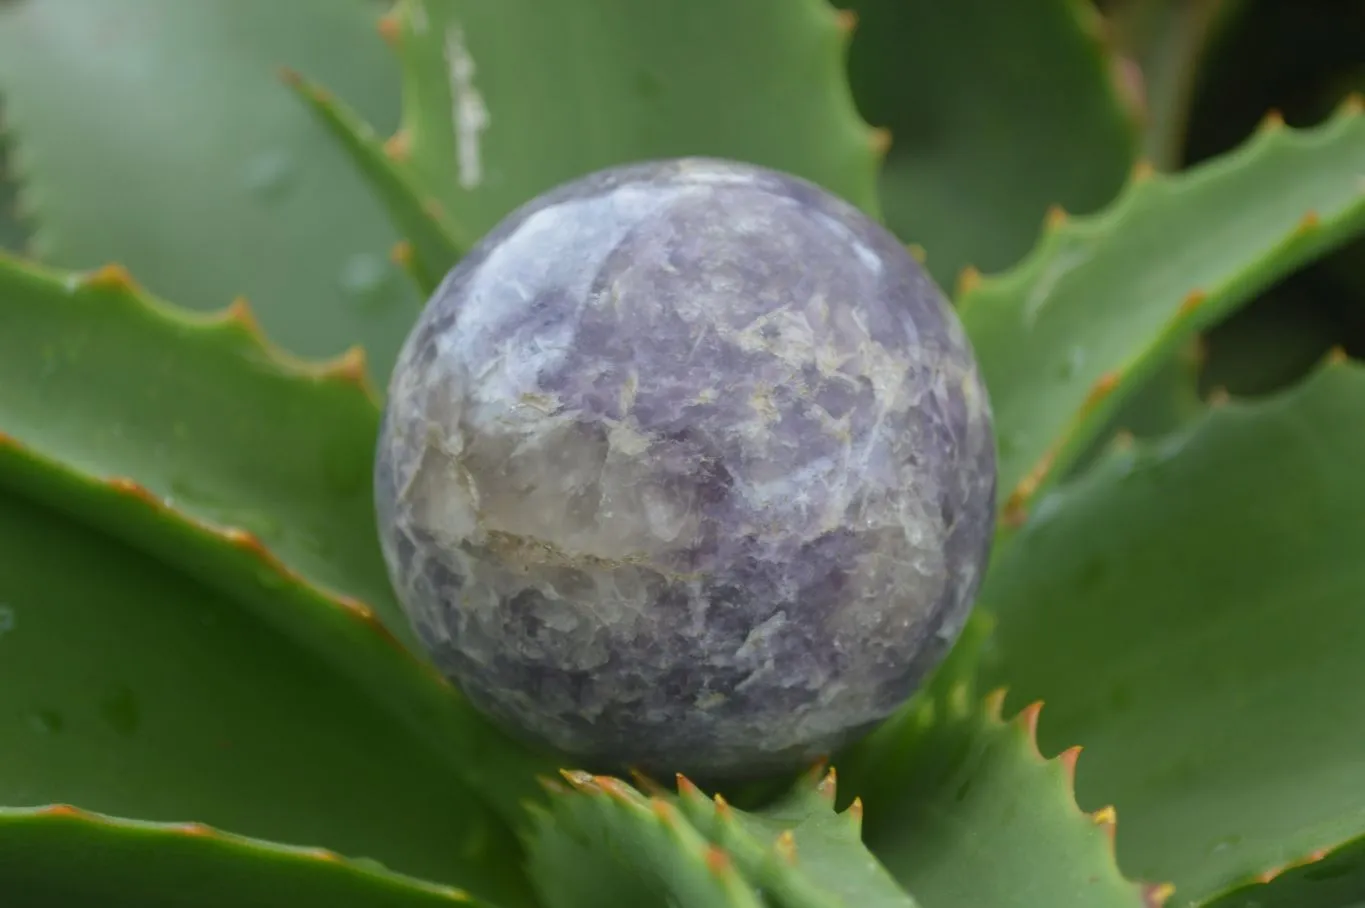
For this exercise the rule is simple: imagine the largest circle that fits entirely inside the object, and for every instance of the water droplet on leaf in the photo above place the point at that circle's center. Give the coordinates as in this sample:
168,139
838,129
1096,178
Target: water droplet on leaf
365,277
269,175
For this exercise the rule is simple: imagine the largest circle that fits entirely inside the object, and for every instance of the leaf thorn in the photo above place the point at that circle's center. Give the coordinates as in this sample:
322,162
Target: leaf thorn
112,276
879,139
786,846
398,146
388,27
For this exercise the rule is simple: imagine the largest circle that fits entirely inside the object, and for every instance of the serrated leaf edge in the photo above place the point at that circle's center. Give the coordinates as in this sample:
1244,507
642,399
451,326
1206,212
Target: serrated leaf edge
653,809
67,813
1105,819
1189,316
346,370
431,246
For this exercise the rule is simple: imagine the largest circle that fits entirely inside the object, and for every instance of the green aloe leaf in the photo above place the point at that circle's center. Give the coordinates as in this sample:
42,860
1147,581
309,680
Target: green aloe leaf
433,248
1190,610
504,100
123,862
794,853
996,112
135,689
604,845
198,410
1325,879
157,133
1065,336
798,850
964,810
1168,40
189,438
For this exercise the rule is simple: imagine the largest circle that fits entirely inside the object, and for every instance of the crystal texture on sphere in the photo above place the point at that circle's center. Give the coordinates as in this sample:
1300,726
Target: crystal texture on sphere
687,466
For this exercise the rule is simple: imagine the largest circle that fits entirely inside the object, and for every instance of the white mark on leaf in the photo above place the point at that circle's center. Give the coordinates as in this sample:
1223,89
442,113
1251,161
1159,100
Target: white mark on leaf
6,619
418,18
470,113
1042,292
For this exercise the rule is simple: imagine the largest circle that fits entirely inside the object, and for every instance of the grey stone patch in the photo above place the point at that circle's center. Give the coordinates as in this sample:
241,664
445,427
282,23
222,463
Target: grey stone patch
687,465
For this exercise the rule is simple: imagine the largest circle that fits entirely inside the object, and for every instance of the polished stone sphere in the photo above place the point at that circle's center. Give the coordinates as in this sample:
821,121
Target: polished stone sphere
687,466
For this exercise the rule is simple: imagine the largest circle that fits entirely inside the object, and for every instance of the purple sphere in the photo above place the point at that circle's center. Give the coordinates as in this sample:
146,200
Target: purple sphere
688,466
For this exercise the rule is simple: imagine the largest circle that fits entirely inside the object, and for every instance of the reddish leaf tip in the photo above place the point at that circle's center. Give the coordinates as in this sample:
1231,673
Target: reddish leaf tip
239,312
1353,104
786,846
62,810
717,861
398,147
125,486
1155,895
1272,121
1103,387
1337,356
664,811
1309,222
846,19
1055,218
195,830
855,810
351,367
879,139
968,279
1068,759
289,76
112,276
401,254
722,805
1143,170
389,28
687,787
1218,397
1192,301
1028,720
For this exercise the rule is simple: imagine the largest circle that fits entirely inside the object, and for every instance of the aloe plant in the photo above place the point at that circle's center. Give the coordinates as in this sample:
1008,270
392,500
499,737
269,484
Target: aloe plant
224,218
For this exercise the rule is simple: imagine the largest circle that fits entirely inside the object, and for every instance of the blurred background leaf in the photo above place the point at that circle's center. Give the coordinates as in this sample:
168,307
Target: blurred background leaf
157,133
997,111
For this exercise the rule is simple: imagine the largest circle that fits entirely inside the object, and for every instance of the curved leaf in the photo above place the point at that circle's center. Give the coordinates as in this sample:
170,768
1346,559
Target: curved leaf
1323,879
1190,610
605,845
964,811
156,133
135,863
798,850
502,101
1168,40
134,400
432,248
996,111
1065,336
200,412
129,688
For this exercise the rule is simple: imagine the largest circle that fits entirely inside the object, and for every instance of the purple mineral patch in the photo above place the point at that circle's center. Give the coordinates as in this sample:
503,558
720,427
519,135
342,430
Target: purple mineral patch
688,466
